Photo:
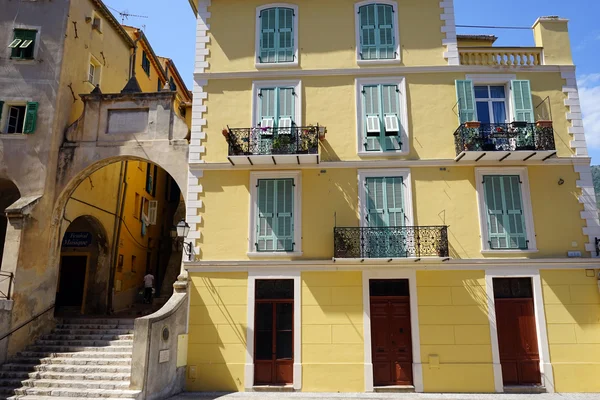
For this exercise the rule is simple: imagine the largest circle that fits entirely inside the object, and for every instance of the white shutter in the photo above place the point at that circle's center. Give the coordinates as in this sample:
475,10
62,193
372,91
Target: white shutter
15,43
391,123
285,126
267,123
152,212
373,124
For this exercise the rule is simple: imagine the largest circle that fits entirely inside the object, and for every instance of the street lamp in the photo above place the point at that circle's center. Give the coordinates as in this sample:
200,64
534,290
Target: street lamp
179,233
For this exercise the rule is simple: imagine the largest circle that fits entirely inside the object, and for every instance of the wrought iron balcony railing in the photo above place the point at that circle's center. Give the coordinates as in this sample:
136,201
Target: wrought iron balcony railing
272,141
516,136
391,242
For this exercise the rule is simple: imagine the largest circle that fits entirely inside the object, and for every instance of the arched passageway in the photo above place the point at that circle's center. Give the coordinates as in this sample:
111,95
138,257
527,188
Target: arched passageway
9,193
115,222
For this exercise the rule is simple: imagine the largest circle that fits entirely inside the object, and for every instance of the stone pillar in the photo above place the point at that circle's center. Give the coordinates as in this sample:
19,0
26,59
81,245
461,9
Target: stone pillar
552,33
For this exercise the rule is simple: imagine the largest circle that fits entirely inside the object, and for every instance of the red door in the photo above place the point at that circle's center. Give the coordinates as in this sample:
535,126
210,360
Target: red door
391,340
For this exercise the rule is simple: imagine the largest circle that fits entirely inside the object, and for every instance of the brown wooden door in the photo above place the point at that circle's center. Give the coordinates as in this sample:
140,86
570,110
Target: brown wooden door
391,344
274,342
517,339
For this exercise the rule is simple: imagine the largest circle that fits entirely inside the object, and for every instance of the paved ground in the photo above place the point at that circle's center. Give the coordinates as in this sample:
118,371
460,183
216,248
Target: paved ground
380,396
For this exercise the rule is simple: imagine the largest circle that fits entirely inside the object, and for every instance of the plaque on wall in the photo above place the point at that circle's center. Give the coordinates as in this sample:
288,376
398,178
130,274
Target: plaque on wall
127,121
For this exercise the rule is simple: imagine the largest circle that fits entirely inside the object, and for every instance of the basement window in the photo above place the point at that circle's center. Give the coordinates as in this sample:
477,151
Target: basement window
23,44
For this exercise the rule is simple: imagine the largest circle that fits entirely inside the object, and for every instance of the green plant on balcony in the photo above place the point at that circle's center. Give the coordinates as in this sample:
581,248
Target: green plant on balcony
281,143
308,138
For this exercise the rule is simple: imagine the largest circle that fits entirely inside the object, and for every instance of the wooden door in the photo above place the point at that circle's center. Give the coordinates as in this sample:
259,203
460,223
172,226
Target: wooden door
391,344
517,339
274,333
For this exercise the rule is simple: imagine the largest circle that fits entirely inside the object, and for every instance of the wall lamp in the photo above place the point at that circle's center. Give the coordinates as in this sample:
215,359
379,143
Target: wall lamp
178,234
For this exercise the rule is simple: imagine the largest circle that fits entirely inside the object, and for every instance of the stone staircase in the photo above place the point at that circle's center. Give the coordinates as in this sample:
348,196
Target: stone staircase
81,358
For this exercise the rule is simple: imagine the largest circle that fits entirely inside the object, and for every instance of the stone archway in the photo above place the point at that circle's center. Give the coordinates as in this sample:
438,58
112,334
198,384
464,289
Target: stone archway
9,194
84,268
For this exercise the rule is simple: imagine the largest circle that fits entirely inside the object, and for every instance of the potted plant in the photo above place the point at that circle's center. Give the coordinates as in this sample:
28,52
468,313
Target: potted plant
543,124
519,124
281,144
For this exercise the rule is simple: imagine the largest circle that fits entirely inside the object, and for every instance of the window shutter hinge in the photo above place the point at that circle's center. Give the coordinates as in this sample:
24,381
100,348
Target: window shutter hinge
293,92
363,91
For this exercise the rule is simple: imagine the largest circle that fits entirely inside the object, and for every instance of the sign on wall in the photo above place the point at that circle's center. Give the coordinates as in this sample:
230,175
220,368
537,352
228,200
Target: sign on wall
77,239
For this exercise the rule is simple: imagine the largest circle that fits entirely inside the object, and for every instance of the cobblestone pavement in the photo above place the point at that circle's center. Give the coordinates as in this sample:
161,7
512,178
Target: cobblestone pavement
381,396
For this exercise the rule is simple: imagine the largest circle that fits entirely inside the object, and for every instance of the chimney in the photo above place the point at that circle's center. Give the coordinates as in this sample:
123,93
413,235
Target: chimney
552,33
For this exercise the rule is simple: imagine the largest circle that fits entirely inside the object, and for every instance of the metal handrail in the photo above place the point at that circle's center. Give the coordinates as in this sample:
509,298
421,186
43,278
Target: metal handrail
294,140
27,322
10,276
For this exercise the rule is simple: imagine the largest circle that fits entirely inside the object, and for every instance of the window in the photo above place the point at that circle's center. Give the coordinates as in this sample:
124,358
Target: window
172,84
133,263
94,72
275,216
145,63
19,118
385,198
277,35
151,173
276,105
377,31
159,86
488,104
382,116
505,209
23,44
136,212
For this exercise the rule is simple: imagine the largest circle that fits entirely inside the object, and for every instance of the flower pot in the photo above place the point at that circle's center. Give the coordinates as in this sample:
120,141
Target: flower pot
472,124
544,124
519,124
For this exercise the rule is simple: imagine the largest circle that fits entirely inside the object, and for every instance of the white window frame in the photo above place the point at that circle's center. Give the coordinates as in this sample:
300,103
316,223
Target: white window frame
36,44
257,62
396,30
417,367
97,72
271,275
525,200
496,80
254,177
403,173
400,81
258,85
540,323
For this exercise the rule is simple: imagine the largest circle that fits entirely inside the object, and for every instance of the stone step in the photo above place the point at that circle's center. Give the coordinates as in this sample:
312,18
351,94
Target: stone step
92,366
78,393
15,374
39,354
79,349
94,326
95,336
80,376
84,343
75,384
92,332
35,397
98,321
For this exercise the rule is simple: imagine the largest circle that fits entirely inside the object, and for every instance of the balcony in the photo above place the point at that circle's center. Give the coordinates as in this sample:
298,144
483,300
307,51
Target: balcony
501,56
516,141
256,146
391,242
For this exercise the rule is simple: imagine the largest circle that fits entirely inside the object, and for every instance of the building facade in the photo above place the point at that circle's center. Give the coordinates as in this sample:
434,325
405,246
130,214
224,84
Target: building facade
378,203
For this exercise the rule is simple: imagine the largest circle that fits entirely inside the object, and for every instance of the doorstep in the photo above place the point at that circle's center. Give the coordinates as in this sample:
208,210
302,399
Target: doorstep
394,389
525,389
273,388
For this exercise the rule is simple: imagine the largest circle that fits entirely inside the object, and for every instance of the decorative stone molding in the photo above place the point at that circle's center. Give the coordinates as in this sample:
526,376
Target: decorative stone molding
198,134
579,147
449,29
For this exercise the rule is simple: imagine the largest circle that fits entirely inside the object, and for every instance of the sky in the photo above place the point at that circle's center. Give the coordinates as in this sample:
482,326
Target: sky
170,26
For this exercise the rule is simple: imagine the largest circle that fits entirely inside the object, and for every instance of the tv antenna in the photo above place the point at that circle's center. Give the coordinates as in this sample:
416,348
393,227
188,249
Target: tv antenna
125,14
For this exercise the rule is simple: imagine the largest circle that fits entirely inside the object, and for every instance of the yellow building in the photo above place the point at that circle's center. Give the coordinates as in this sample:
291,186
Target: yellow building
132,201
378,203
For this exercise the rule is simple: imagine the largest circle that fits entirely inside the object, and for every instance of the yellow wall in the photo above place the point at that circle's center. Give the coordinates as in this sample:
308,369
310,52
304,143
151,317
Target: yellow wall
217,331
332,332
454,325
331,102
441,196
108,47
233,49
572,306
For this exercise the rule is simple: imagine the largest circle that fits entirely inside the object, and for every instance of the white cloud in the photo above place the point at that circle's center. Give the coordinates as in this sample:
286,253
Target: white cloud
589,94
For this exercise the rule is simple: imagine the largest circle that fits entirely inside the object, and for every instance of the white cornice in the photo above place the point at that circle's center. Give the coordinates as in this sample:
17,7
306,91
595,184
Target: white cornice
370,71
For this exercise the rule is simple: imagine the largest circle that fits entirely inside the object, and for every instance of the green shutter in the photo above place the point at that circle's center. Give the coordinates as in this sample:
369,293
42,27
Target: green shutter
522,103
375,190
274,225
286,103
391,117
285,35
30,117
1,107
385,24
371,112
505,219
268,48
368,34
466,101
394,201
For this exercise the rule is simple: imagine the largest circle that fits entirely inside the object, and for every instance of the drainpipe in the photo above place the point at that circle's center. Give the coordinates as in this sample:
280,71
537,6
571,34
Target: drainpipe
120,210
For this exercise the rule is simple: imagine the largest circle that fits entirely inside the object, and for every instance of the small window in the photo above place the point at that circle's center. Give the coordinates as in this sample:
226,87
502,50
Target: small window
16,119
96,23
94,72
145,63
513,288
388,287
19,118
172,84
159,86
377,35
277,35
133,263
23,44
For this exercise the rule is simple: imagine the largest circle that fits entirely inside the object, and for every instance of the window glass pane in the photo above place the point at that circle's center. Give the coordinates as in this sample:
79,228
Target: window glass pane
512,288
285,316
483,112
499,108
497,92
481,92
275,289
284,345
389,287
264,317
264,346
